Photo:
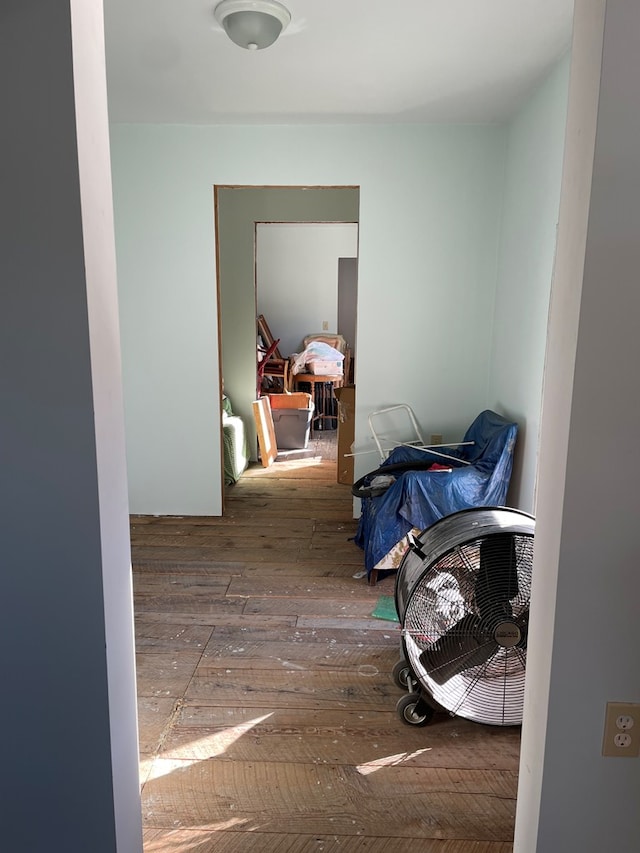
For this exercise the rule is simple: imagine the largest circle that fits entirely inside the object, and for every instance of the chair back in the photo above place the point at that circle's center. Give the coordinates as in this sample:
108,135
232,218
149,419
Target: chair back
333,340
493,438
271,364
268,340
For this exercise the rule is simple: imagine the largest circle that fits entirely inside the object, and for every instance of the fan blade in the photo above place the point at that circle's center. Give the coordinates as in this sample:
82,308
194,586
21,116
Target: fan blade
497,581
523,624
461,647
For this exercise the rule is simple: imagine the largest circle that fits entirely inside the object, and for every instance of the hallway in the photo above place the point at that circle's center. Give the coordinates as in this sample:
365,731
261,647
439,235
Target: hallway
267,707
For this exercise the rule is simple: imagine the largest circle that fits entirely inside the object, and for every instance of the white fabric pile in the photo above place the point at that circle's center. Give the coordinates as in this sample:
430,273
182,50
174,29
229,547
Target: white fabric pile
316,351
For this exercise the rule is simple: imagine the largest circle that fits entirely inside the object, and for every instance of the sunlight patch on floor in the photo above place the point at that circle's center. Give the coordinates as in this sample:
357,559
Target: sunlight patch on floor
388,761
209,746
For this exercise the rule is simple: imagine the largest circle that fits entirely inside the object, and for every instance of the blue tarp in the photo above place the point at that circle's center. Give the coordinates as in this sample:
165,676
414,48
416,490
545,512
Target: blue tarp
418,498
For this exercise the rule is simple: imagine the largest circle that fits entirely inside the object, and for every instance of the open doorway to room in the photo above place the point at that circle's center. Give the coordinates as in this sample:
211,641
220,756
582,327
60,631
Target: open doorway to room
306,300
306,279
295,309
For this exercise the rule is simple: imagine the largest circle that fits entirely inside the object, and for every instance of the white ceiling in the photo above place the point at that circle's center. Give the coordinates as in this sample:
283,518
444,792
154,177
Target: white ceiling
339,61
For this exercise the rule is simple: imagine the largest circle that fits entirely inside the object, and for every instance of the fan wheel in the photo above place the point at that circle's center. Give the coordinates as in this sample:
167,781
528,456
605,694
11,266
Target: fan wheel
413,711
401,673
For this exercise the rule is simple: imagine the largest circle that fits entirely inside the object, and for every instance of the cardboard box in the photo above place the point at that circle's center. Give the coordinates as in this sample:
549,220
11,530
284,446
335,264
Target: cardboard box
346,397
298,400
323,367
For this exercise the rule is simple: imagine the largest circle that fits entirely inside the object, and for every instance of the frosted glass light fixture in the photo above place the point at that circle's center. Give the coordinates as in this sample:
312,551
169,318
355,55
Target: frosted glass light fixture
252,24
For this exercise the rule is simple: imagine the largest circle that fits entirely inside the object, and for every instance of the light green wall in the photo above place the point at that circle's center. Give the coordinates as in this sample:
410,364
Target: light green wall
429,212
533,171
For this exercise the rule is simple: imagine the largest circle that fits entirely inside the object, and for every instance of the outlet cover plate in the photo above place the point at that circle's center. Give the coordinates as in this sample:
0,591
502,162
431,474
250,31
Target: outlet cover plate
622,730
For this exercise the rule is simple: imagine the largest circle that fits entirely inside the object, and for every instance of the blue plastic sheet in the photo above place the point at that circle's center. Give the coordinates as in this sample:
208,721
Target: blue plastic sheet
418,498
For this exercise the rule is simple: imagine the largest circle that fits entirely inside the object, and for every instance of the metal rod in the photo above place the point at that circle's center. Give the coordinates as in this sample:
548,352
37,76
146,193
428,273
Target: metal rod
426,449
435,452
448,444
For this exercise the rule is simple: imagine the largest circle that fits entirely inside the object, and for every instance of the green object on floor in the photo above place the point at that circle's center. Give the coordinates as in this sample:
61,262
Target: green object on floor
386,609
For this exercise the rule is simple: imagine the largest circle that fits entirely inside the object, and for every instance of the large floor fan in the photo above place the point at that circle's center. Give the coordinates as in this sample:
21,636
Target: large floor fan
462,594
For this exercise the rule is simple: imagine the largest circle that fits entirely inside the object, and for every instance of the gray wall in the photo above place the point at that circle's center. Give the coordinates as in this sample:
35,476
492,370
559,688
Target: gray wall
348,301
68,713
585,630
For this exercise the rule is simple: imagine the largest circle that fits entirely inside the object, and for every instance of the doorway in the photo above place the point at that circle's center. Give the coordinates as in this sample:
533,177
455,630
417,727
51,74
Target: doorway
299,287
237,210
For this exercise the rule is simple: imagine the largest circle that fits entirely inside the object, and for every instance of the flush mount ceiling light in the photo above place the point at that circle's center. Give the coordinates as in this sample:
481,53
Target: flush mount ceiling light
252,24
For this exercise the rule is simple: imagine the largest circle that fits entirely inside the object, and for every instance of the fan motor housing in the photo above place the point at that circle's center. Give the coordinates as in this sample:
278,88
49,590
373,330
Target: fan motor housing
507,635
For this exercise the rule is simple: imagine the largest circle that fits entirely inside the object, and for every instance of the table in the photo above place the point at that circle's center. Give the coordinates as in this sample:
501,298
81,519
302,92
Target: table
326,393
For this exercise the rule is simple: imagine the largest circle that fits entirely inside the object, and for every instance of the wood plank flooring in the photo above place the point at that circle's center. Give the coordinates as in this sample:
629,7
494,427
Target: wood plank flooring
266,704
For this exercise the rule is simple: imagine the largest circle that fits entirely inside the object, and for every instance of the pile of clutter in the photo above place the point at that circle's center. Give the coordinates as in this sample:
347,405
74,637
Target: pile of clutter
318,358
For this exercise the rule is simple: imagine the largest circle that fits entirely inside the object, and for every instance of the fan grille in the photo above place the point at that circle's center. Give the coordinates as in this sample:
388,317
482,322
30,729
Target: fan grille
465,628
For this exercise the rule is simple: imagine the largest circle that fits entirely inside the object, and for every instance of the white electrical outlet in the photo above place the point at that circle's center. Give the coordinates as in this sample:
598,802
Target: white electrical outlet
622,730
325,325
624,722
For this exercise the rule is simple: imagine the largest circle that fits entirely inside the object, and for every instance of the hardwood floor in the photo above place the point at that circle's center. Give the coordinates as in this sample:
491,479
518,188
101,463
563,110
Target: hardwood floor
267,708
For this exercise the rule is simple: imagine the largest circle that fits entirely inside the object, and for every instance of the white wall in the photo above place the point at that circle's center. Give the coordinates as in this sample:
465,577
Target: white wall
533,172
98,239
429,210
297,276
